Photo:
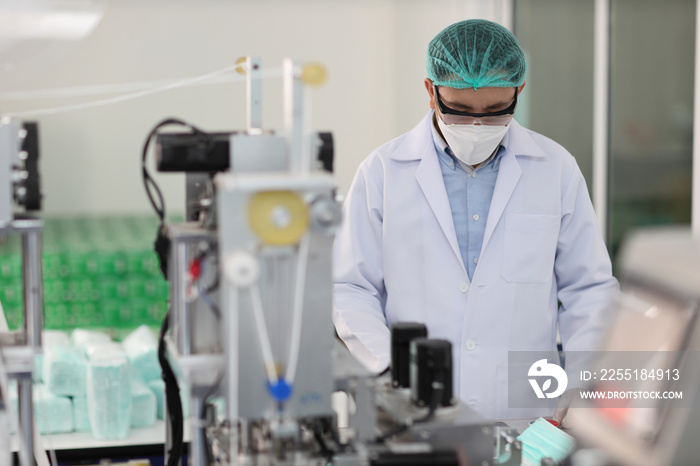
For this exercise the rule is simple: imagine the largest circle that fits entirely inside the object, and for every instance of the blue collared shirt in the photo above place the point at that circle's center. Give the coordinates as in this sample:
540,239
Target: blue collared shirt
469,191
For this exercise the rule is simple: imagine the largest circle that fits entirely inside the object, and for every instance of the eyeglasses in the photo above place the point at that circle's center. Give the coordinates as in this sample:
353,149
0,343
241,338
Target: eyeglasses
455,117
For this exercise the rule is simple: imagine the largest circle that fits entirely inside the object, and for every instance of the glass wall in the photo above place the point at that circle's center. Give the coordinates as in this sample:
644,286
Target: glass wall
651,100
651,114
557,36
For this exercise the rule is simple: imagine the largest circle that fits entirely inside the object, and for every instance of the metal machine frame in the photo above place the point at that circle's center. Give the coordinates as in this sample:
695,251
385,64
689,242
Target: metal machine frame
18,348
259,333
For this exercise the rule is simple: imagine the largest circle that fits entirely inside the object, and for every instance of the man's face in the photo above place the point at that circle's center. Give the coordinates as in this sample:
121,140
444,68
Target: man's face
483,100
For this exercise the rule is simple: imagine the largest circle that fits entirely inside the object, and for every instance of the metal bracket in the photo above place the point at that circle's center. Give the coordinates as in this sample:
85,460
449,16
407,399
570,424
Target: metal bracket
509,450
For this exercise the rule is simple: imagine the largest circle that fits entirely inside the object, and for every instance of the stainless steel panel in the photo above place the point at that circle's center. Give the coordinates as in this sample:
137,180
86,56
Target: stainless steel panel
313,384
258,153
9,150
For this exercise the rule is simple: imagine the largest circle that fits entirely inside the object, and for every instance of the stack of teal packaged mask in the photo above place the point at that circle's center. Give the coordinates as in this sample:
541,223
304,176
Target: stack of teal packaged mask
91,383
109,392
143,404
98,272
141,347
101,279
53,414
65,371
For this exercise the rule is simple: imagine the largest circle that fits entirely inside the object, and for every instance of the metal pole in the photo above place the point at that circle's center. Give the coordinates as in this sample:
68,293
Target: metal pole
601,102
254,91
695,215
198,444
297,143
33,296
9,150
506,14
230,336
180,308
26,421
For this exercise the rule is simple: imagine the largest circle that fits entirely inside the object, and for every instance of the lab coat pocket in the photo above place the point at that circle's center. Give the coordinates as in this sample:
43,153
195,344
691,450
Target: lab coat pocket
529,247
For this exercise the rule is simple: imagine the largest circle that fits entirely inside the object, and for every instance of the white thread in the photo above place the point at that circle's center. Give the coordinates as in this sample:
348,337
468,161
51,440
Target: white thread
263,336
160,86
298,309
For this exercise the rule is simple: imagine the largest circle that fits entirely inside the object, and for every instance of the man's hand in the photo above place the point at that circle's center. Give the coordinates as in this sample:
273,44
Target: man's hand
564,403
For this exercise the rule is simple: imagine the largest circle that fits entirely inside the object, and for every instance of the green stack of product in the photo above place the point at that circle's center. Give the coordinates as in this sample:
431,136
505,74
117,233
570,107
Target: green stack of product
99,272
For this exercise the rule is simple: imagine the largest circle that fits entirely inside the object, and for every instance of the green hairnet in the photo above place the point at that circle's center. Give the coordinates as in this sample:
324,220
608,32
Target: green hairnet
476,53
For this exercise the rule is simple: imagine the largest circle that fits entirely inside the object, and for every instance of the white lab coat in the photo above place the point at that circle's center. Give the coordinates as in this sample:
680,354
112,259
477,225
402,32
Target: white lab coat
397,259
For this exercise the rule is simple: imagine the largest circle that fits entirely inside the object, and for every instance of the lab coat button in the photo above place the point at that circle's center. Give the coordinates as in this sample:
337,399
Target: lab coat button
473,403
464,287
470,345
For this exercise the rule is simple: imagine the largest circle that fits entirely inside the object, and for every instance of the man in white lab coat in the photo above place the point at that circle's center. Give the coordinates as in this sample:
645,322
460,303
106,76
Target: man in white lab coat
473,225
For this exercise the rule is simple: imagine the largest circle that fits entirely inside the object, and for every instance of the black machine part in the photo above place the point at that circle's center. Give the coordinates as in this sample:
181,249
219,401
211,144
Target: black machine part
325,151
401,335
200,152
31,198
435,458
193,152
431,372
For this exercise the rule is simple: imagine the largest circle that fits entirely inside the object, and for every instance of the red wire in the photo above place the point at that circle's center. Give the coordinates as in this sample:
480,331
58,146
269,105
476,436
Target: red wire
195,269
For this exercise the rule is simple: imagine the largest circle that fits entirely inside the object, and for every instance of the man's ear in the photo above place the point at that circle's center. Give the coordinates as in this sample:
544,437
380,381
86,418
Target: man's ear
429,88
520,89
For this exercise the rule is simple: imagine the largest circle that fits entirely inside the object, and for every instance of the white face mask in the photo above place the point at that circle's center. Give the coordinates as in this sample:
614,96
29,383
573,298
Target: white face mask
472,144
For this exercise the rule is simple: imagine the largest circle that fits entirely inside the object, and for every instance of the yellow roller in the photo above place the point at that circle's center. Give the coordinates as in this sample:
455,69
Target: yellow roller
314,74
241,69
279,218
